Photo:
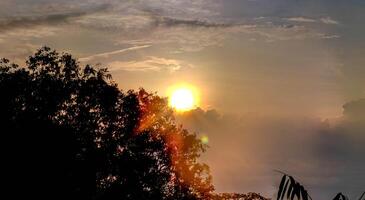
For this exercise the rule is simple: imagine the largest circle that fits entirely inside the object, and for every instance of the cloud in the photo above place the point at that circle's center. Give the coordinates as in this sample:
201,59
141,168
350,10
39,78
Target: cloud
151,14
326,36
300,19
328,20
272,32
355,110
22,21
57,17
171,22
326,155
190,8
192,36
342,144
23,34
175,26
107,54
40,20
141,24
325,20
169,26
153,23
151,63
187,39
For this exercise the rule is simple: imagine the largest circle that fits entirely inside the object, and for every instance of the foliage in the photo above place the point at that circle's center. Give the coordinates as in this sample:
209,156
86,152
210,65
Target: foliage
362,197
289,188
237,196
71,133
340,196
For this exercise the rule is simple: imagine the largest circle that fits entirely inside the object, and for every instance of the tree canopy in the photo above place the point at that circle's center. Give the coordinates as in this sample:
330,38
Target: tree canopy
69,132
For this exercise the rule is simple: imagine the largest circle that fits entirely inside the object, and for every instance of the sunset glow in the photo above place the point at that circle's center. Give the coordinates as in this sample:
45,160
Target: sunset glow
183,98
176,99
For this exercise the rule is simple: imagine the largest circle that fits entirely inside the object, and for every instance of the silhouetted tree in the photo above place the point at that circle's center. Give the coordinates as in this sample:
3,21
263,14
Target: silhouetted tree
69,132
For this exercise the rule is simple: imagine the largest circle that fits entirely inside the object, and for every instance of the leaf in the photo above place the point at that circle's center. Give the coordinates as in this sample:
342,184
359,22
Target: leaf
296,191
340,196
292,182
283,192
304,193
363,194
282,182
289,191
292,189
337,197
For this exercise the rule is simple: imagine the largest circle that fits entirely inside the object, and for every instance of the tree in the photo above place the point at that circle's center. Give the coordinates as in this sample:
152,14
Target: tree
69,132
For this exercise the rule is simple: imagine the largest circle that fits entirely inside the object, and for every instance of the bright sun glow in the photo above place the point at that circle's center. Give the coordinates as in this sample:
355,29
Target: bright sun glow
183,99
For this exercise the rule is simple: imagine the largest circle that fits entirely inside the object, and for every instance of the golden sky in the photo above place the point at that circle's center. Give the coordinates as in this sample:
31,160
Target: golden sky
272,76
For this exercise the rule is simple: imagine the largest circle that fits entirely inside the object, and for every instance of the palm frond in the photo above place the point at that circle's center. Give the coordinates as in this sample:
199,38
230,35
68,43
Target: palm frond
362,197
289,189
340,196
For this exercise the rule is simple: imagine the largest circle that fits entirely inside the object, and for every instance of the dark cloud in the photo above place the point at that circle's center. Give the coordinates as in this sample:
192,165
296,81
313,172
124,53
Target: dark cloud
355,109
171,22
26,21
57,17
244,151
343,145
199,120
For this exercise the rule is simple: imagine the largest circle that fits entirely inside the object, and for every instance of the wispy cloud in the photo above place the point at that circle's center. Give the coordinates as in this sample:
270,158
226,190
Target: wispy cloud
182,25
270,32
107,54
324,20
328,20
29,20
325,36
300,19
151,63
172,22
24,33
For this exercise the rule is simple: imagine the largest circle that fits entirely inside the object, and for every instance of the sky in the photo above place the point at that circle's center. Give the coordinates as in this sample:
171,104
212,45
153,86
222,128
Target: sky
281,83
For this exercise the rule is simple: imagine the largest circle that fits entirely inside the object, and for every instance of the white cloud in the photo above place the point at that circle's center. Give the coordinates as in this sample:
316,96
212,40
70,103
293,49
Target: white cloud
324,36
107,54
325,20
151,63
328,20
270,32
301,19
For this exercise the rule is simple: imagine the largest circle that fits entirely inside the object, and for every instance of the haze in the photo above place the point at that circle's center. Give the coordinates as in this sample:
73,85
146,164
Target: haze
273,76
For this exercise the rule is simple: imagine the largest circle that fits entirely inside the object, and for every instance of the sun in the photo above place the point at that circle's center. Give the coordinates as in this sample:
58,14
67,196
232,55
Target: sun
183,98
